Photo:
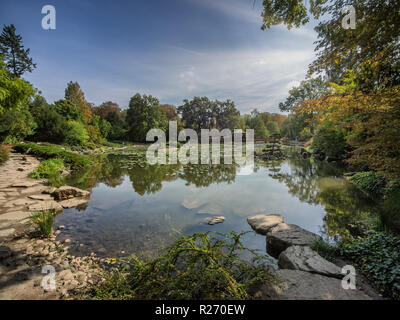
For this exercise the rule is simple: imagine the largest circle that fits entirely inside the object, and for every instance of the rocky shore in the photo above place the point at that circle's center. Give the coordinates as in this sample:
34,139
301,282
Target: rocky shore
25,256
303,273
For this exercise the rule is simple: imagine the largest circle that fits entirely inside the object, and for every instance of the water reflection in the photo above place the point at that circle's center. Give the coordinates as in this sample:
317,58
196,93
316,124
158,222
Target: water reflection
135,206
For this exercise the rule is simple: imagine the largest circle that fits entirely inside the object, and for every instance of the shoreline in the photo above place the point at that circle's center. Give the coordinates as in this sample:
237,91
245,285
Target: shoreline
23,252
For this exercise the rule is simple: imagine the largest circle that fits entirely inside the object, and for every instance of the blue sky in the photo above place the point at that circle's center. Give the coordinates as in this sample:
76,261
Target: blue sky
171,49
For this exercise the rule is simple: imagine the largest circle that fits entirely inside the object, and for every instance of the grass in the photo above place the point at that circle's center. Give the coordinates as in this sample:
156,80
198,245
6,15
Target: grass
49,151
202,266
325,250
4,155
51,170
44,220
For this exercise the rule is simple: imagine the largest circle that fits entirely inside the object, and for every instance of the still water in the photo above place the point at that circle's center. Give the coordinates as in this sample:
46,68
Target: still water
135,207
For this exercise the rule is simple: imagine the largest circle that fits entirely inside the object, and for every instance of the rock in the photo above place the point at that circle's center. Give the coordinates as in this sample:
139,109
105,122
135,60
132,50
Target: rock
67,241
262,223
306,259
215,220
284,235
301,285
46,205
66,275
72,203
42,197
67,192
5,252
23,202
61,227
15,215
6,232
25,184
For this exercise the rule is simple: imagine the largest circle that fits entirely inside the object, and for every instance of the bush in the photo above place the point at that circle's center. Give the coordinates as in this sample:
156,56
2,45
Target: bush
51,170
324,249
48,151
378,257
370,181
197,267
76,135
4,155
44,220
330,141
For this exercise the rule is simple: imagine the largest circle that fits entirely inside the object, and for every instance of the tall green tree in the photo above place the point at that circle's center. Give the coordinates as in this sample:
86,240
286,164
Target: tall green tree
144,113
16,57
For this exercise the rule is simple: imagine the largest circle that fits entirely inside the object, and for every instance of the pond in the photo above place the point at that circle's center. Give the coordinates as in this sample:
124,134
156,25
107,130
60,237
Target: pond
136,208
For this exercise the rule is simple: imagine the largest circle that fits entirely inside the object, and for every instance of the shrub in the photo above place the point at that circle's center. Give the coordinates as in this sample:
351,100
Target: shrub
201,266
324,249
378,257
44,220
48,151
76,135
51,170
370,181
4,155
331,141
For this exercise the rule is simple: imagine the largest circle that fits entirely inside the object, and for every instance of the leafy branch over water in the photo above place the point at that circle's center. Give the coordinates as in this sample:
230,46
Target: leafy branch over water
200,266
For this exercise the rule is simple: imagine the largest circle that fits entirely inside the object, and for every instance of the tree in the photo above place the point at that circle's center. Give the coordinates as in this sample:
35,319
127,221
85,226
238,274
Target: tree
197,113
227,115
273,128
14,93
76,134
68,110
144,113
16,124
17,58
51,126
74,93
105,108
260,130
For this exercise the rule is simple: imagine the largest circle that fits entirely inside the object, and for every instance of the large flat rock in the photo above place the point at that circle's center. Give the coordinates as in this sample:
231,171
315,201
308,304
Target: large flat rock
72,203
263,223
301,285
45,205
67,192
15,215
306,259
284,235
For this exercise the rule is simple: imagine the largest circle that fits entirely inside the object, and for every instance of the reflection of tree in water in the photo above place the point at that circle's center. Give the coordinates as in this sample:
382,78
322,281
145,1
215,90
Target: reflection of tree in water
103,169
314,183
148,179
345,207
202,175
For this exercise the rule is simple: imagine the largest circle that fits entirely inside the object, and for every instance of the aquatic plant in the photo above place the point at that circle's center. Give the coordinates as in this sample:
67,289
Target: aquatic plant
200,266
44,220
51,170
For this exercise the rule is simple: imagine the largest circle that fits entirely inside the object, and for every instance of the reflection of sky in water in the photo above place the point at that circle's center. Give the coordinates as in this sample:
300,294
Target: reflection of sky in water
119,218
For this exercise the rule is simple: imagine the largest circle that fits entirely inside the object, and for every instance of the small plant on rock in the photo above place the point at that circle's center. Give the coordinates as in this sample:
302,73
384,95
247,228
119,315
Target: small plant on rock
44,220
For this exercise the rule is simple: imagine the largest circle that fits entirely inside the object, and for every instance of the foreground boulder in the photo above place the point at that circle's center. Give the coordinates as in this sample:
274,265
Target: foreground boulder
301,285
215,220
263,223
284,235
306,259
67,192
